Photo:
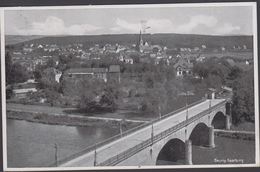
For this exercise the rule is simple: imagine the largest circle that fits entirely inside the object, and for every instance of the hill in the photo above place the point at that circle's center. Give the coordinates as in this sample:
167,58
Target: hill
169,40
15,39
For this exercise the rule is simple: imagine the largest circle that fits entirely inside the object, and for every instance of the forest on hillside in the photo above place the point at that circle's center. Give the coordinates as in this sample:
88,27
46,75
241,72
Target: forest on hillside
169,40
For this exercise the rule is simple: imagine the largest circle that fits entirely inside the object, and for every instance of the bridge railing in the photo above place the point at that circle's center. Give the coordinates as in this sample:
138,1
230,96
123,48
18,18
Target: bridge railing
130,152
125,133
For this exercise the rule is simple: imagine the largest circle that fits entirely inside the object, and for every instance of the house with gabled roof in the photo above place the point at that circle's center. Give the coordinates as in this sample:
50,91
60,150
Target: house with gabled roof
183,67
74,73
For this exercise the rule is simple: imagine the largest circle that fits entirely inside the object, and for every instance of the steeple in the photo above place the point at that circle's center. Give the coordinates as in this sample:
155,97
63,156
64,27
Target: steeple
140,43
141,39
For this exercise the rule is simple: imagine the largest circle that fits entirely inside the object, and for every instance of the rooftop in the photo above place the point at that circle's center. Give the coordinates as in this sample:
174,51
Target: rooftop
114,68
86,70
183,63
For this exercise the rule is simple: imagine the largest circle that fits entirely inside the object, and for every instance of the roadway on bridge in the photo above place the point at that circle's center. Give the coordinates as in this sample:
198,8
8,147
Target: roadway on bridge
131,140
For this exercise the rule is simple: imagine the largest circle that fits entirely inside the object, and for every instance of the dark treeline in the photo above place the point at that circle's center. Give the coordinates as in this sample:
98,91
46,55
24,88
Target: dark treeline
217,72
169,40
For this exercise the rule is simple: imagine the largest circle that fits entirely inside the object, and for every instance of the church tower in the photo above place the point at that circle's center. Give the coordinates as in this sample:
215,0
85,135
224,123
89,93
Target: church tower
141,42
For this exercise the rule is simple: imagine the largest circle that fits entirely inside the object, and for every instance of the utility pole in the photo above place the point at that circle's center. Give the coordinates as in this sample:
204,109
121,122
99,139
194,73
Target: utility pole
119,77
160,114
230,111
120,128
152,135
151,148
95,156
56,154
187,112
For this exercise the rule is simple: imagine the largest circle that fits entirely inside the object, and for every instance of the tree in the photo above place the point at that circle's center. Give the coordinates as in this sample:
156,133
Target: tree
243,98
214,81
15,72
170,73
18,74
149,80
135,57
51,62
64,61
155,100
201,70
234,73
48,79
108,98
97,95
37,73
8,67
9,92
172,93
90,93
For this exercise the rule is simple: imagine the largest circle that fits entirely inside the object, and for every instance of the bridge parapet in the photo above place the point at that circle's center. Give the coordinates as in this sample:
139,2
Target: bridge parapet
130,152
118,152
126,133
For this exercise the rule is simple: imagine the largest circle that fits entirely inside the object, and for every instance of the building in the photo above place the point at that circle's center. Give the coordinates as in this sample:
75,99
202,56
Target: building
58,75
114,73
129,60
201,59
183,67
86,73
145,48
22,89
76,79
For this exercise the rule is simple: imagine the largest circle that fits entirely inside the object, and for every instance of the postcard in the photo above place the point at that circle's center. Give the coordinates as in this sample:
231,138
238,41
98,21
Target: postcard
130,86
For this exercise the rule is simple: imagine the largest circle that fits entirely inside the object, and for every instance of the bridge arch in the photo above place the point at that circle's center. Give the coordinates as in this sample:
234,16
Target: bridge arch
199,135
173,151
219,120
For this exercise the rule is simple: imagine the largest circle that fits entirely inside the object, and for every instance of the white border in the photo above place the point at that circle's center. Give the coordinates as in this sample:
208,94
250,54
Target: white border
233,4
3,90
256,85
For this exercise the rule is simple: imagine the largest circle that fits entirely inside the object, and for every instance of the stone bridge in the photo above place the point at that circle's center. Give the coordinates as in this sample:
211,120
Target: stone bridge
169,138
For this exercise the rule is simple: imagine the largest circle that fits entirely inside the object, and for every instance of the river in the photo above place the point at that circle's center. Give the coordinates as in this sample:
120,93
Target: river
32,144
227,151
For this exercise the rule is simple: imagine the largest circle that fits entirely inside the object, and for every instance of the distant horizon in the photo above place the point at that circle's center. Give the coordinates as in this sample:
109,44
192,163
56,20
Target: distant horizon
133,34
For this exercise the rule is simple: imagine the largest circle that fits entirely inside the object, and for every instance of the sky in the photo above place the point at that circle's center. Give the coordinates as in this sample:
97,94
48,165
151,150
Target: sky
217,20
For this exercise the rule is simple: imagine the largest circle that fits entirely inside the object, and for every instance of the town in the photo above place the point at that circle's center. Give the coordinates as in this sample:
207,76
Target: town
130,86
57,75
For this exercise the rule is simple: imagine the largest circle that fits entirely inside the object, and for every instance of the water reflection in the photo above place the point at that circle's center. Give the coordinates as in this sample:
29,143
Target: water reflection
32,144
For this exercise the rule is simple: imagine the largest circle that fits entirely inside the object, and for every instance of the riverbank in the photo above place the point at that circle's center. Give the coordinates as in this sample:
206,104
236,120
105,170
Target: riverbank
244,126
117,115
69,120
239,135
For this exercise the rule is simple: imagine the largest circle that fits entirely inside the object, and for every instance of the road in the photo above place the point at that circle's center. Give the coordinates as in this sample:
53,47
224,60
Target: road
127,142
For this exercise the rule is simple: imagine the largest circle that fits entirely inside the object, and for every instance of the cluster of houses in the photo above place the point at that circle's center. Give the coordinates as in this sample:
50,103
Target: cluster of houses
71,75
34,54
182,61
